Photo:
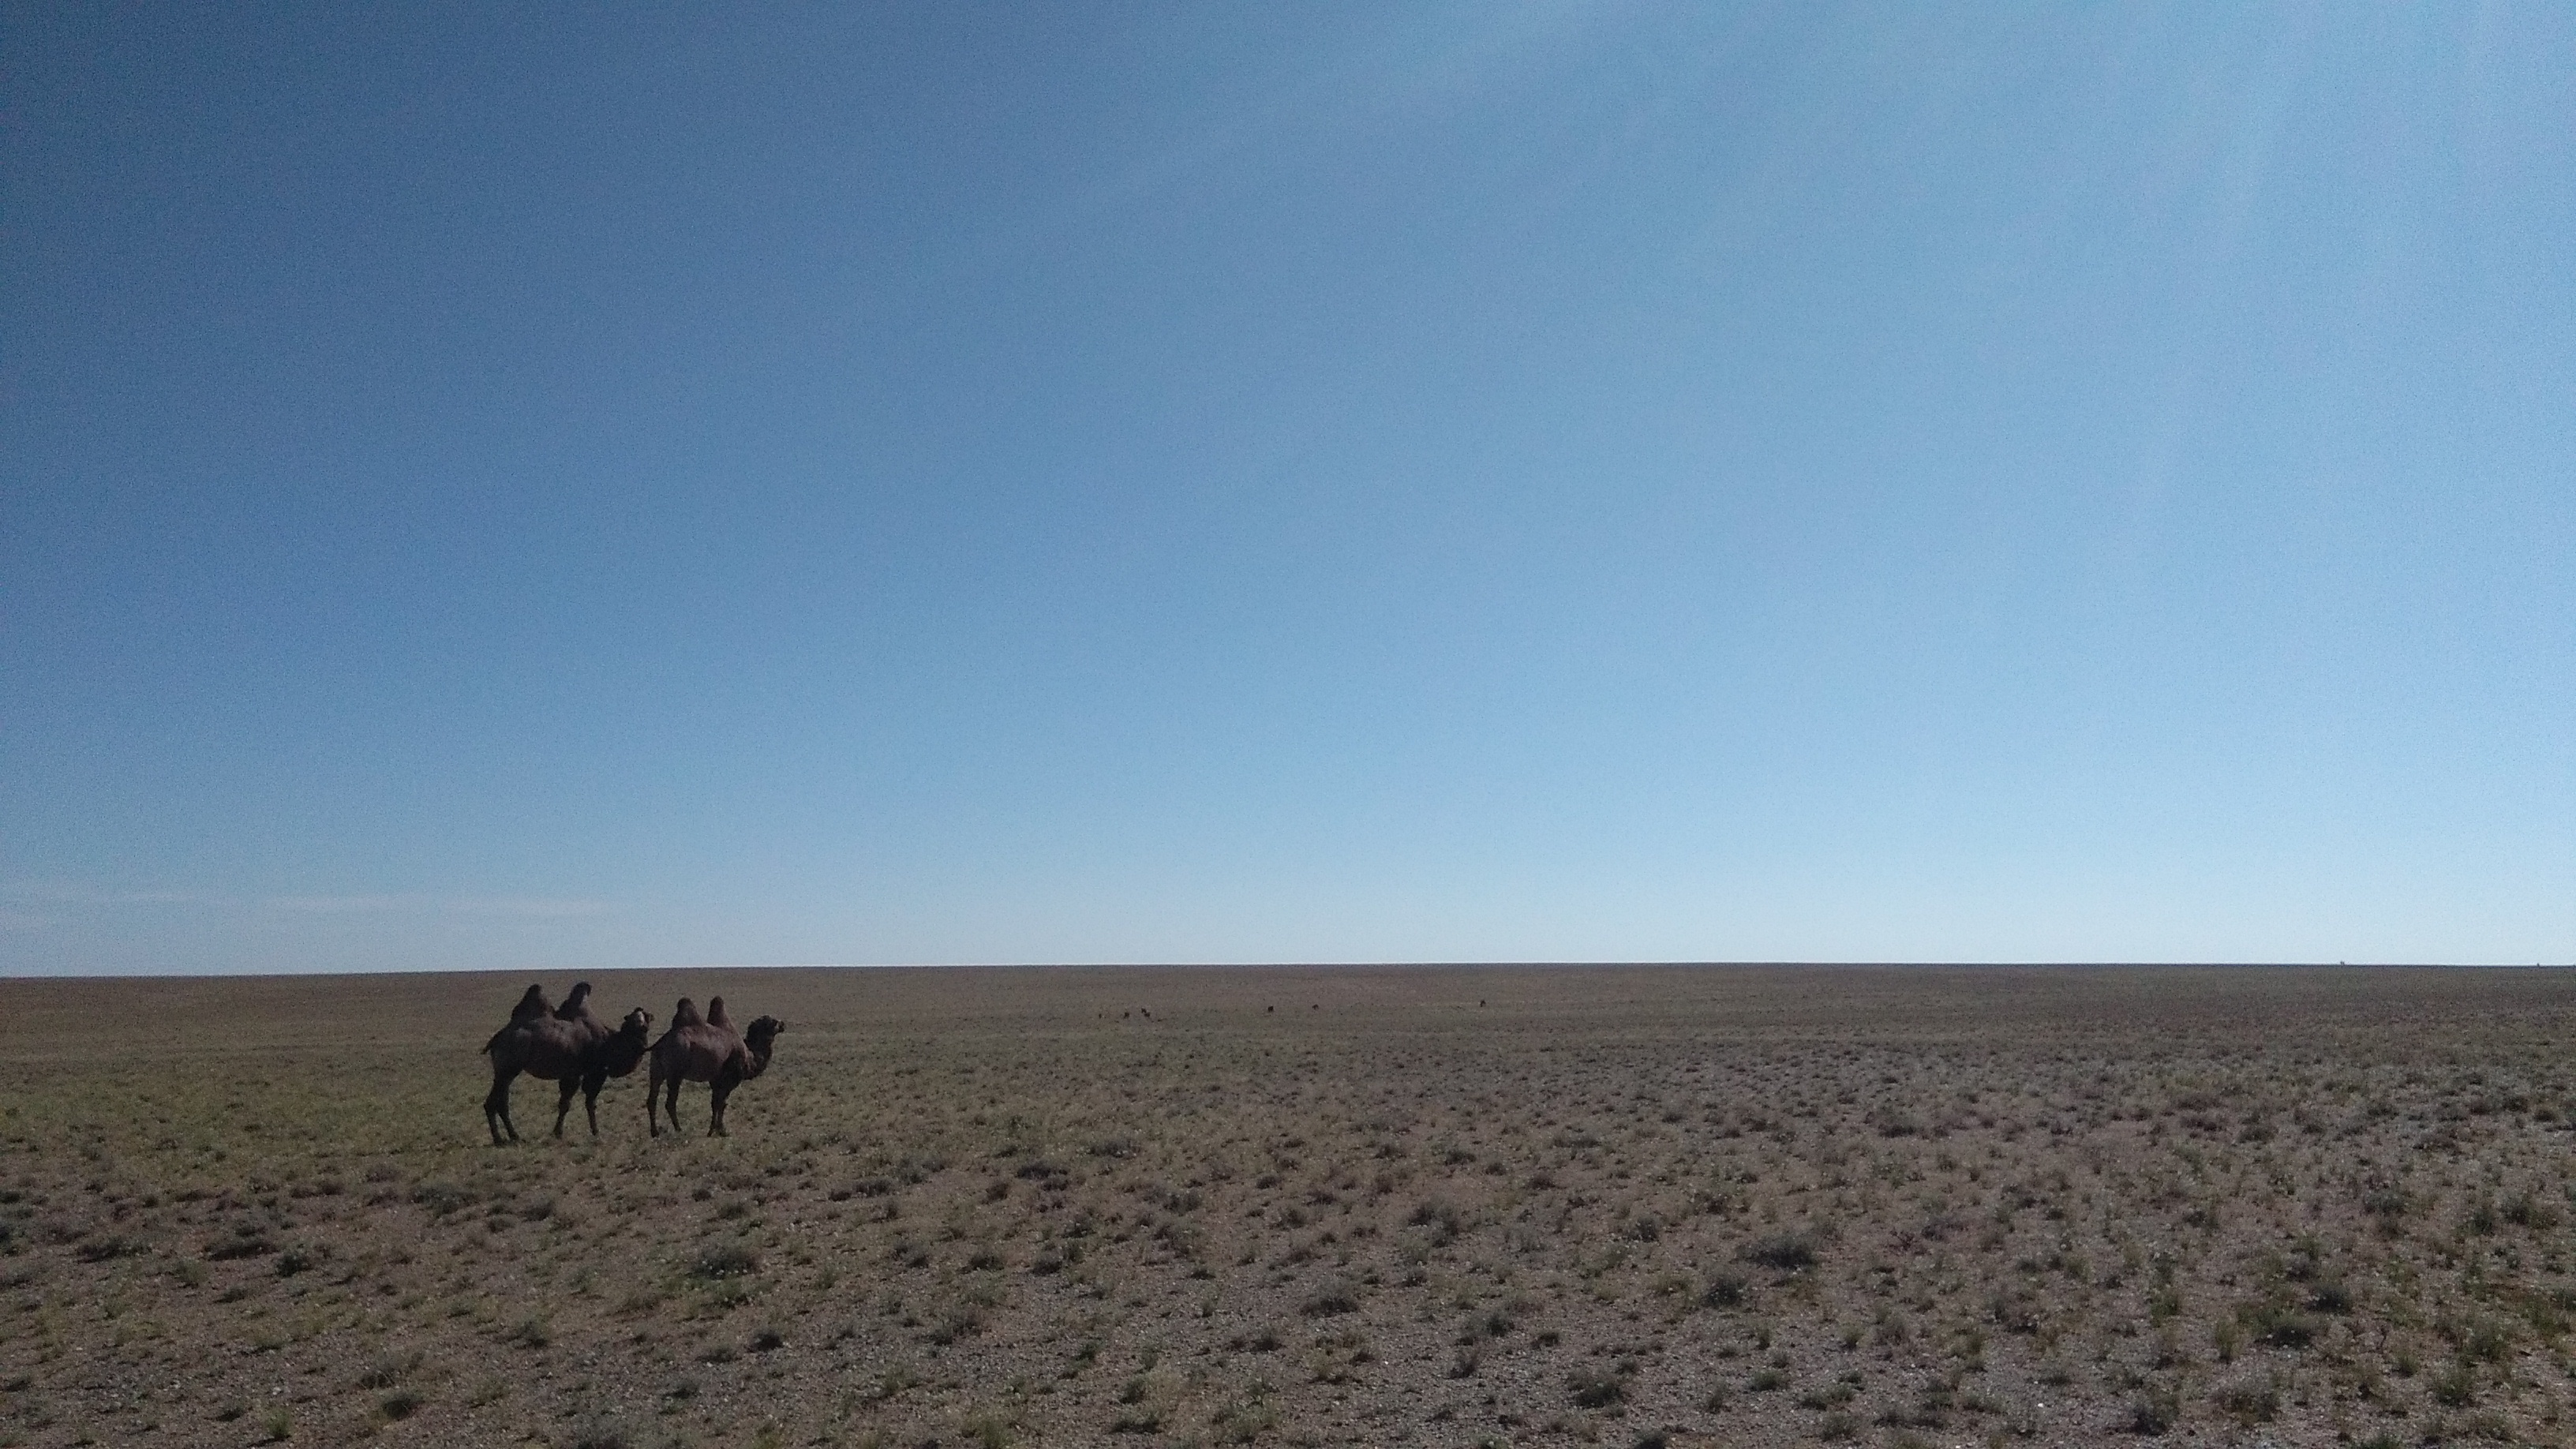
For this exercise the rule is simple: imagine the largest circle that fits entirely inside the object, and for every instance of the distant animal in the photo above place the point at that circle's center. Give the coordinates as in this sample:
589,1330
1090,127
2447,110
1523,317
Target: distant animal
706,1049
569,1046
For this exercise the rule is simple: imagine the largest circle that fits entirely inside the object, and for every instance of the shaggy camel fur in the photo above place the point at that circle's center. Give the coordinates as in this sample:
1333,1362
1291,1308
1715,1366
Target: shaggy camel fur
706,1049
570,1046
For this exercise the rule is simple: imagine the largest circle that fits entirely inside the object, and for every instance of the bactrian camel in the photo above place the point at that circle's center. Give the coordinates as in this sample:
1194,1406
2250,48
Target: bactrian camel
706,1049
569,1046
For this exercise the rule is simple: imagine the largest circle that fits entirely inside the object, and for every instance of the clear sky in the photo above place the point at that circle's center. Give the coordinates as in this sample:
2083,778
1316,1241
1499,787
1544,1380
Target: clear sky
563,486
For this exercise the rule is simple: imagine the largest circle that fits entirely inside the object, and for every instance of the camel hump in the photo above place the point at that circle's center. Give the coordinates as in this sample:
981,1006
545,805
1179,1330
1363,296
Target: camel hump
531,1006
686,1014
716,1012
576,1004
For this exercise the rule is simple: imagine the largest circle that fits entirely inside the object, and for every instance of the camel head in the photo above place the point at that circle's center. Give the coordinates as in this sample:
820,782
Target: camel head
622,1051
763,1032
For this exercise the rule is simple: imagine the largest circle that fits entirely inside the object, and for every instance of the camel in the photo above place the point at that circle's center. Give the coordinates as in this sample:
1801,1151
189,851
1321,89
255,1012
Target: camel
706,1049
570,1046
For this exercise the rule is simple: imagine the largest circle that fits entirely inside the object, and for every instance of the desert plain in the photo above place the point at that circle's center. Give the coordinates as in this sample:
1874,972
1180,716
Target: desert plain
1521,1205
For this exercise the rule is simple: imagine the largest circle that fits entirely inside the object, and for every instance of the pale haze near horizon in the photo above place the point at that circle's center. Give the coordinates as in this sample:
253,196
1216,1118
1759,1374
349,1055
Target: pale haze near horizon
555,490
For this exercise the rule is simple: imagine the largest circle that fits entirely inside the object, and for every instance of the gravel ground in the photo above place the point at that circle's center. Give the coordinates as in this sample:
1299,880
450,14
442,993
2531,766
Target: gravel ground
1449,1206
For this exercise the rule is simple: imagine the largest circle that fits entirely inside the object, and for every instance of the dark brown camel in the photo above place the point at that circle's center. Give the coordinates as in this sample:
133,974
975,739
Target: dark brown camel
569,1046
706,1049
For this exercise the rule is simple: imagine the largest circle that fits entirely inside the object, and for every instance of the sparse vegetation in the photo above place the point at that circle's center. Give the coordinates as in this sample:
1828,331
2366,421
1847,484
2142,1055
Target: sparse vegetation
1611,1206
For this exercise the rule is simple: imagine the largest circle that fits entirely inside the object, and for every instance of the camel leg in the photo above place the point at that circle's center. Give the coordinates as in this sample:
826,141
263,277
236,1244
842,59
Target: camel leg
563,1105
669,1087
496,1104
590,1086
717,1091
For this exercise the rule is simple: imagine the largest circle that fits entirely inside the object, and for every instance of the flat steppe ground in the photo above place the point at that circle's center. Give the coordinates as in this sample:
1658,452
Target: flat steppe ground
1458,1206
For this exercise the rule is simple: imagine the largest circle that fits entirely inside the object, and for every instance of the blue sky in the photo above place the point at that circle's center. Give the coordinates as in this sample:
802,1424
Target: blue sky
554,487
